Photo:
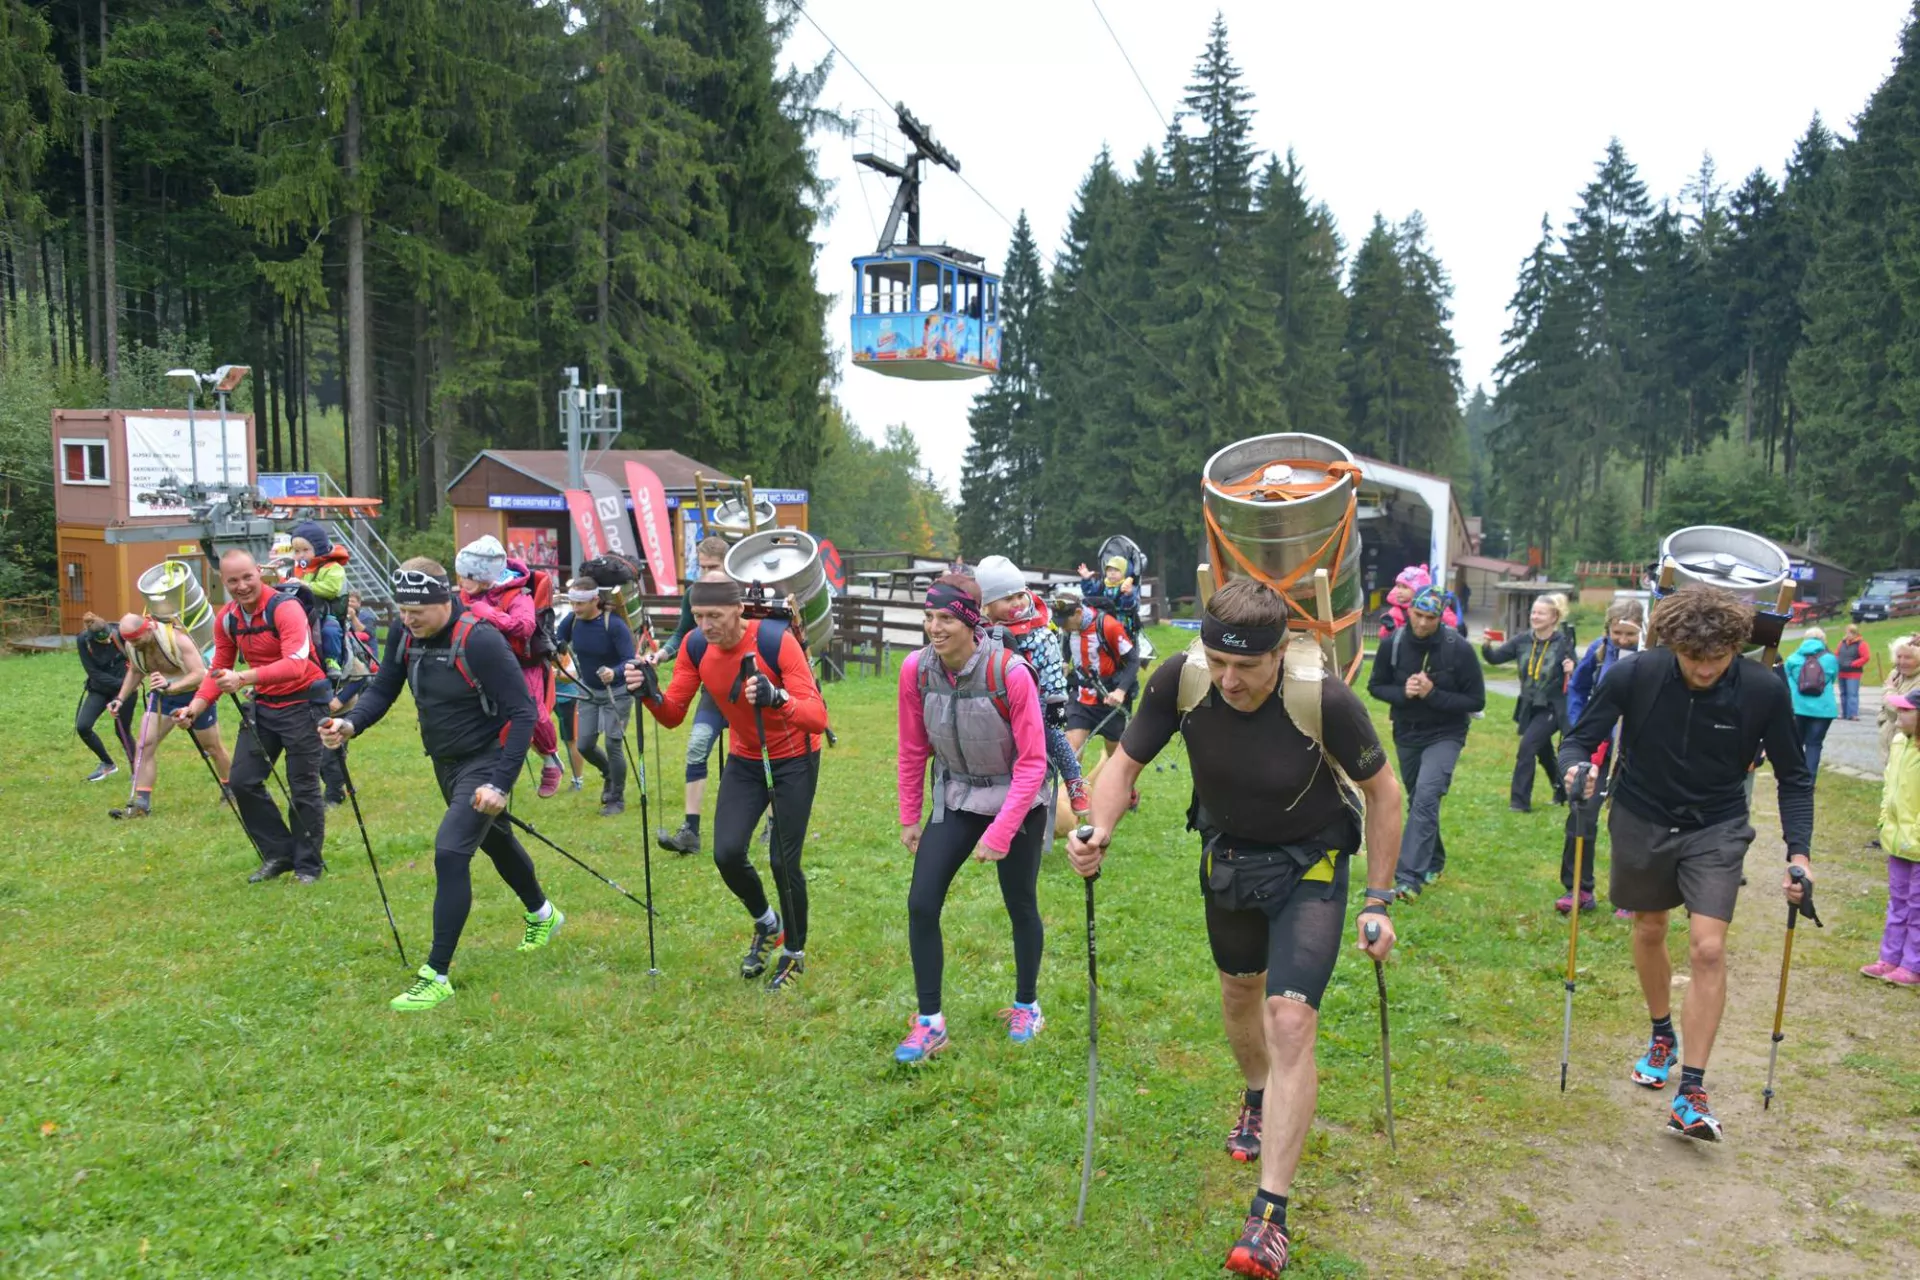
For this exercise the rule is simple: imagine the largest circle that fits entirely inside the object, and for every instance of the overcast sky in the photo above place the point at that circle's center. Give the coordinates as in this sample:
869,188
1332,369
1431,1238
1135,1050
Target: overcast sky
1482,116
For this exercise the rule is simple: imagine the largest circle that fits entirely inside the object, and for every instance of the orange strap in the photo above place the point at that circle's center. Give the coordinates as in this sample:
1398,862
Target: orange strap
1254,486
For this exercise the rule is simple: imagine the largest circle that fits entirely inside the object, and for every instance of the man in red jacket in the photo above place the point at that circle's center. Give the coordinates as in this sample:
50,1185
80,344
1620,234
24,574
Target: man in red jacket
729,655
290,695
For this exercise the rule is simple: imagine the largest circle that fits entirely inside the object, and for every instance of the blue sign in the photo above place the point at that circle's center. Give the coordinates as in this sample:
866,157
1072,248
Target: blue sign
782,497
1802,572
526,502
289,485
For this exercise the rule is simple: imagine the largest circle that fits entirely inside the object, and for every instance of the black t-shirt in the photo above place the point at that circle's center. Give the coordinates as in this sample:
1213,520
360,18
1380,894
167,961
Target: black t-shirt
1249,767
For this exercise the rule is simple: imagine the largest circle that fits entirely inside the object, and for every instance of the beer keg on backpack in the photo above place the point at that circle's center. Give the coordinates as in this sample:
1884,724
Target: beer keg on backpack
1277,508
1748,565
787,562
173,594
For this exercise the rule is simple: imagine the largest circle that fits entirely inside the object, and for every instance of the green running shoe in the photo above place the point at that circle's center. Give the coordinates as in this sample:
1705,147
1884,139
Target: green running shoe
428,990
540,932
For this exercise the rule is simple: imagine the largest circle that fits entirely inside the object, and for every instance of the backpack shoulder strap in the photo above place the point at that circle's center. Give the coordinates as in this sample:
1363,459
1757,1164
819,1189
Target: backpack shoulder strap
767,640
1195,683
694,648
1649,674
1303,676
997,663
1399,645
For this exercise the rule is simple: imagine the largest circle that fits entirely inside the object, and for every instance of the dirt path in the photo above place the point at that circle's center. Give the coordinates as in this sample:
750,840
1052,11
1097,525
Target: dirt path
1826,1184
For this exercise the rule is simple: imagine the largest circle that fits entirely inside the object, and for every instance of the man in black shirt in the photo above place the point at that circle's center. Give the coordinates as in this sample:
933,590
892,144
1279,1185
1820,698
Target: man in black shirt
1278,778
1431,678
476,722
1693,715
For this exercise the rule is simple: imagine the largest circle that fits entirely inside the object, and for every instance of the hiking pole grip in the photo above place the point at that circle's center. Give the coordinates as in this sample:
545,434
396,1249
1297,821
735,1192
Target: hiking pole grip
1371,931
1084,833
1798,874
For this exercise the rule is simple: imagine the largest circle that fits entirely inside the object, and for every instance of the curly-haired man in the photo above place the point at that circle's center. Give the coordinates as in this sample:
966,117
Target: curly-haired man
1694,715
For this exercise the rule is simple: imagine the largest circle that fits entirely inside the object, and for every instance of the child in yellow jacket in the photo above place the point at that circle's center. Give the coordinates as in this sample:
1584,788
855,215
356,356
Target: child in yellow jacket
1899,961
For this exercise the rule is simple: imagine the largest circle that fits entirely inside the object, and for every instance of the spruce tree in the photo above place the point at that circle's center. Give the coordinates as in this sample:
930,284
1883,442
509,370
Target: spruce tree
1000,481
1299,257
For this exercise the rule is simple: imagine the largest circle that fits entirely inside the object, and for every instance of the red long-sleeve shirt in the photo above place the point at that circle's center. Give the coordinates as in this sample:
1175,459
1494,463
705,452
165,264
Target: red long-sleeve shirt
281,658
792,730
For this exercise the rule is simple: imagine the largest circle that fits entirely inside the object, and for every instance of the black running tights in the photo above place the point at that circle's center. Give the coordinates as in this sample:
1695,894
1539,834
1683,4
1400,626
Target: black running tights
462,831
945,847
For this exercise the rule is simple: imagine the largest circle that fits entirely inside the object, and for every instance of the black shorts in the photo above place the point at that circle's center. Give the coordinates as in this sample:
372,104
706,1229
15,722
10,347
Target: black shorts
1264,916
1658,868
1082,716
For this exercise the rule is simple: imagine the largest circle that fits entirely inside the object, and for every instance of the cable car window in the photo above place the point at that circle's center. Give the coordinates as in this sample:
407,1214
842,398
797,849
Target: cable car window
971,300
946,289
927,287
993,302
886,287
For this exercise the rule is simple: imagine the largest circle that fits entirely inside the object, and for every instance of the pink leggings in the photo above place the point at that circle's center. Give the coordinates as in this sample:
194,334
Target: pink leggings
546,739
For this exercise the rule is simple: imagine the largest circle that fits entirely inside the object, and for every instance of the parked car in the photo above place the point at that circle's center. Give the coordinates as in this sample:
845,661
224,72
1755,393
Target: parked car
1891,593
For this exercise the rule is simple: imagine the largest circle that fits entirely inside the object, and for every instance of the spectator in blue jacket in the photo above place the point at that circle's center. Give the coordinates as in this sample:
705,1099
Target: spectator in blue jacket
1816,701
1625,626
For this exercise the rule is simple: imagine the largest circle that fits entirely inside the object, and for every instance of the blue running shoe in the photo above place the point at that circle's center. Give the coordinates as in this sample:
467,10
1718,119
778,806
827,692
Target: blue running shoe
1655,1065
922,1042
1024,1022
1691,1116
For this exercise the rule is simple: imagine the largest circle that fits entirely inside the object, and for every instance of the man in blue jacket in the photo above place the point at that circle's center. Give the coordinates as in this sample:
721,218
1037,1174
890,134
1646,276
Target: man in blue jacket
601,644
1431,678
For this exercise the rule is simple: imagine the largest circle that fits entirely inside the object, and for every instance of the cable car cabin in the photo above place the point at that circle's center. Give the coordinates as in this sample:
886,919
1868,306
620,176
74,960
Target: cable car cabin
930,314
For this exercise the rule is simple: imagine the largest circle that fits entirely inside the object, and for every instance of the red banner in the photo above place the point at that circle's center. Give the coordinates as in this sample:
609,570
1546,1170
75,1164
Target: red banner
650,514
830,563
585,524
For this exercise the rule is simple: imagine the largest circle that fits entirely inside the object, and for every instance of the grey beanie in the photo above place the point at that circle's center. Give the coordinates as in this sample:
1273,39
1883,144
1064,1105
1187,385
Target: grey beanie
483,560
999,578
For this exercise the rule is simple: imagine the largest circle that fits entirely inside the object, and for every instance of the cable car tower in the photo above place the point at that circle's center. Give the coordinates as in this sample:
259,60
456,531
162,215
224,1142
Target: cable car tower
926,312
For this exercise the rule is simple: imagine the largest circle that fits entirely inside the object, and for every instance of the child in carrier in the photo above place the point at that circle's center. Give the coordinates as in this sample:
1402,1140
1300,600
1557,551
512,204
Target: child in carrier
1021,617
513,598
1412,579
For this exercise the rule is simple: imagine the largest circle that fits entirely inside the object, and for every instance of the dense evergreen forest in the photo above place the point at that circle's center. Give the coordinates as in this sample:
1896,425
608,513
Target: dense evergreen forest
408,217
1744,353
417,211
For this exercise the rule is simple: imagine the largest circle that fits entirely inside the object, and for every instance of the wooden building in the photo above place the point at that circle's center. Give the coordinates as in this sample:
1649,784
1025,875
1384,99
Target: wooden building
518,496
111,520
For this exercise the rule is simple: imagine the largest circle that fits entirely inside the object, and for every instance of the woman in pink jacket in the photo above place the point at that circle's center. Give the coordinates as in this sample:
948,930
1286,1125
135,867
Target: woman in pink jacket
499,591
972,707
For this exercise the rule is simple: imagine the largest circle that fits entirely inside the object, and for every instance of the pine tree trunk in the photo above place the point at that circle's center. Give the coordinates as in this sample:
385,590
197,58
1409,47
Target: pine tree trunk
66,293
426,438
363,448
1747,393
604,293
109,284
270,365
299,391
53,325
93,215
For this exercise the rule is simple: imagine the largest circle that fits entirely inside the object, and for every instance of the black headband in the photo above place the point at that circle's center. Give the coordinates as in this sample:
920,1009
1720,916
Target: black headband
713,595
411,586
1237,638
944,595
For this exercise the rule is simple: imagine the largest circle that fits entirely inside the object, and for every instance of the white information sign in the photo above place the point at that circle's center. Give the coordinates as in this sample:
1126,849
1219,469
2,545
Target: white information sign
163,448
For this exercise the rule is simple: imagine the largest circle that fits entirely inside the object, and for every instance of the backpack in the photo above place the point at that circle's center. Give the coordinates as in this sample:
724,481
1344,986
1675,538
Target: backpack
1303,668
997,665
610,570
541,645
296,591
1812,680
462,629
766,640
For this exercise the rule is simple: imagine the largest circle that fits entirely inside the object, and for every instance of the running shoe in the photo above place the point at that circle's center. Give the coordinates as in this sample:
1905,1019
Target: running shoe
226,796
786,972
1691,1116
764,940
1430,877
335,799
1133,800
1406,890
1587,901
1903,977
1079,798
1564,903
1621,913
1024,1022
540,932
308,877
549,780
133,809
1878,969
684,841
1260,1251
922,1042
428,990
613,808
102,771
269,870
1243,1144
578,784
1655,1065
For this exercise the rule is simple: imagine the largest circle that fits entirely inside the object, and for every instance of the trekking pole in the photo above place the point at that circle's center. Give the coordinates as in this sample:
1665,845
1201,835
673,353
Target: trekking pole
214,773
1386,1055
353,797
529,828
1576,799
1794,911
639,769
1084,834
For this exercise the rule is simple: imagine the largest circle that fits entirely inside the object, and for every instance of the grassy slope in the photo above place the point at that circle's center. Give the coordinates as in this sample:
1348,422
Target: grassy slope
202,1078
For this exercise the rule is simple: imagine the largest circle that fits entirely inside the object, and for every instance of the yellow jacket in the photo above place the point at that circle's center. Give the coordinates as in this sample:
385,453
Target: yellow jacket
1900,801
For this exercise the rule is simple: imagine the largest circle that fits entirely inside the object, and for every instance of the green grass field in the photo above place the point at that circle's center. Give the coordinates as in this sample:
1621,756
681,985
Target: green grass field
201,1078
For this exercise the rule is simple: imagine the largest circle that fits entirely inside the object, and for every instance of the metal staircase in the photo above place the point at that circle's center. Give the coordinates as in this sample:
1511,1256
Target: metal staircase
371,563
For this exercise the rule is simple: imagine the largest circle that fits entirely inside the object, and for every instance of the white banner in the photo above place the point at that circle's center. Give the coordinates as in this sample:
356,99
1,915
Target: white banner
159,449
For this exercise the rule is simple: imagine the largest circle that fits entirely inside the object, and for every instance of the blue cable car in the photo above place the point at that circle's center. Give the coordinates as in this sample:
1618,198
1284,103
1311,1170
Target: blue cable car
926,312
